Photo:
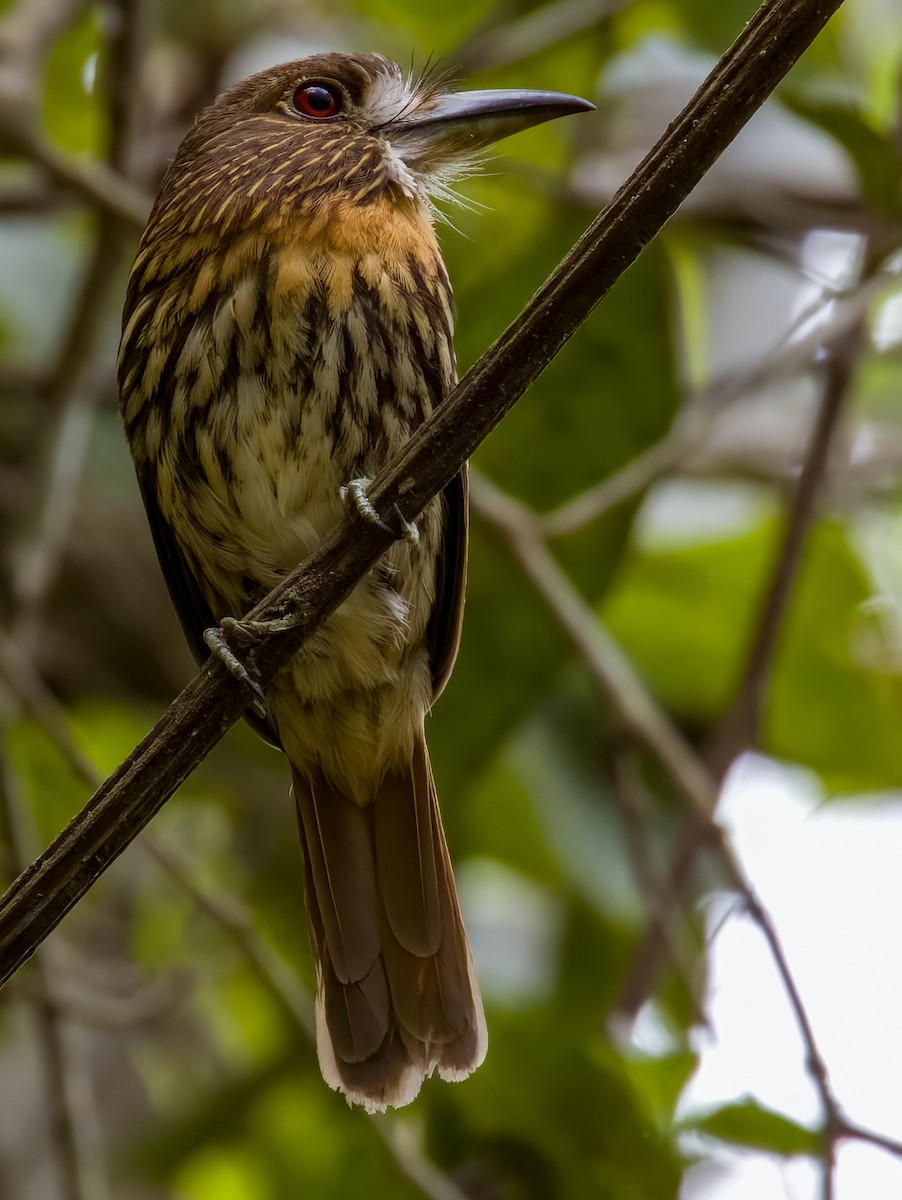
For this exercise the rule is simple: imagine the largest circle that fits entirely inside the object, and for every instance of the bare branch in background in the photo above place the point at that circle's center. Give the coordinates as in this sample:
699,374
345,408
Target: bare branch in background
94,182
72,1130
740,728
68,399
47,889
796,352
663,908
649,725
26,31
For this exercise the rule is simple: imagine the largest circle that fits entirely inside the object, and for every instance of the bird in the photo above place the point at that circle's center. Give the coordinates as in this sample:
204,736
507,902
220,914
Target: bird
287,326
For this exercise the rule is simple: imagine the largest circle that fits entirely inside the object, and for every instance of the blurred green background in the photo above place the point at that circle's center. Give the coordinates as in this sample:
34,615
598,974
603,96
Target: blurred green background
689,396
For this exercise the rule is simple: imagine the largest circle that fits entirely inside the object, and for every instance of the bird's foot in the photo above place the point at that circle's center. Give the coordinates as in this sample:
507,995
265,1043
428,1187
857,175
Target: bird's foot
218,643
354,494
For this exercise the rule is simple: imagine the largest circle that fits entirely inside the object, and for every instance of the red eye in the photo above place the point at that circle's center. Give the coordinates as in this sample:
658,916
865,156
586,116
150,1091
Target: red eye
317,100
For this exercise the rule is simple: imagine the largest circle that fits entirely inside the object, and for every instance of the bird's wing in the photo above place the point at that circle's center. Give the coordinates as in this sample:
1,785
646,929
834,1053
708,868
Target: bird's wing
190,604
450,583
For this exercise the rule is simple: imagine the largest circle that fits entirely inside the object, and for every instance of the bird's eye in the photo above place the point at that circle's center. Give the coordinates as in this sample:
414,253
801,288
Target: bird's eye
317,100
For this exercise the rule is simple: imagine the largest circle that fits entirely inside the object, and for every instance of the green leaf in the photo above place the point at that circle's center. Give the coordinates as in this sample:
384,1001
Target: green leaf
748,1123
686,614
660,1080
683,614
72,112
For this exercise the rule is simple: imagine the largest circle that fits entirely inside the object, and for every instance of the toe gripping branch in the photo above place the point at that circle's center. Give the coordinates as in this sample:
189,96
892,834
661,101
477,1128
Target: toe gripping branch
354,495
217,640
220,638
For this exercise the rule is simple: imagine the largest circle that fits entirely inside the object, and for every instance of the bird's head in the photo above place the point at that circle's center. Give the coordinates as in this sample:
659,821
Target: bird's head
335,130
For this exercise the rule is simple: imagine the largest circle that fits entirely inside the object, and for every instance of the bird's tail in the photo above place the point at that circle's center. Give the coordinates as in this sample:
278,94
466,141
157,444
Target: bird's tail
396,990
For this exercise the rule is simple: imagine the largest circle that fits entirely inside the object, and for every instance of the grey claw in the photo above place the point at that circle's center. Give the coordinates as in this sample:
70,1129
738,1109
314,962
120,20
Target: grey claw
355,493
409,530
217,645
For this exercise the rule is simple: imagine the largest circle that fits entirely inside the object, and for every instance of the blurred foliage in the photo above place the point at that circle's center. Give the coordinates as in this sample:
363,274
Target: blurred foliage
749,1124
206,1088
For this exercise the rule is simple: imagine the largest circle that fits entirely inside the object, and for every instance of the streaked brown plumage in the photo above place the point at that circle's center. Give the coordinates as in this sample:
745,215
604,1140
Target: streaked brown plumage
288,324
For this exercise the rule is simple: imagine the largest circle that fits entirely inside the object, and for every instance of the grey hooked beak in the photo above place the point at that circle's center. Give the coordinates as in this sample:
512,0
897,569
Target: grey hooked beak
462,121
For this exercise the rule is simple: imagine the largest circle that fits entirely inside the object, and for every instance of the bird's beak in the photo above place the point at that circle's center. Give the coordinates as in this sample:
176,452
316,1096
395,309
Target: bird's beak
459,122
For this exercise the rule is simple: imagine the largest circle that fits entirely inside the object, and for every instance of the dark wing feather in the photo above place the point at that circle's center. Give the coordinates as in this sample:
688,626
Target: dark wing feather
443,632
190,604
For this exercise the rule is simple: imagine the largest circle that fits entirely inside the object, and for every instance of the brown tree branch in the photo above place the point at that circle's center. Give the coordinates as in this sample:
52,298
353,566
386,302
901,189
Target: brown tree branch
770,44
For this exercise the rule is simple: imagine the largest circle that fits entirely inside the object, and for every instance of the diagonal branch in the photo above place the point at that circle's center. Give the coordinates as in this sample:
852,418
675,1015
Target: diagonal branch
770,44
740,728
649,725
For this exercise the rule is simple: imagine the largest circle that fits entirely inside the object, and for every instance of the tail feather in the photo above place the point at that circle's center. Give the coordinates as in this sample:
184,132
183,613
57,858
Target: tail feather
405,833
329,822
396,990
358,1014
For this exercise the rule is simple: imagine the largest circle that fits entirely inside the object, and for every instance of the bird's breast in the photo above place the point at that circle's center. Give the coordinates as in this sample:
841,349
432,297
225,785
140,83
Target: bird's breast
286,368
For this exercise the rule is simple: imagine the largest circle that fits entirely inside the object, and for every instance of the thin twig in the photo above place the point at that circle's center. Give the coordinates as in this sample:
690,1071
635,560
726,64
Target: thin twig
234,919
859,1133
94,1009
639,715
18,672
231,916
795,352
631,798
69,400
740,728
29,26
651,953
104,188
295,1002
400,1136
71,1127
650,726
72,392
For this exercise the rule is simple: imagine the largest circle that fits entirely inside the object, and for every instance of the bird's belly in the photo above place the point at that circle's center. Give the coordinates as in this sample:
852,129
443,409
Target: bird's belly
261,509
353,699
